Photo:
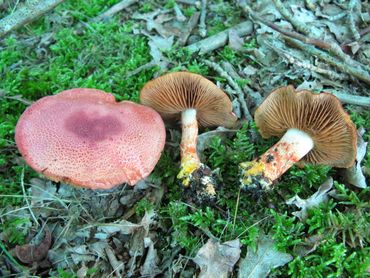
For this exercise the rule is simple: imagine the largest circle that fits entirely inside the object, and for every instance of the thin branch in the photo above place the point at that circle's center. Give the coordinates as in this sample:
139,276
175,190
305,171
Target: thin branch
331,47
356,72
211,43
26,14
351,99
189,2
179,15
255,96
234,85
115,9
146,66
351,21
301,27
304,64
118,266
202,23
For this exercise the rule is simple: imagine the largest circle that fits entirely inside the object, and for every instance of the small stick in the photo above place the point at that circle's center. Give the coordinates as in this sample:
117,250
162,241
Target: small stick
354,71
351,99
304,64
189,28
115,9
351,21
179,15
218,40
118,267
256,97
301,27
331,17
189,2
234,85
202,23
141,68
26,14
328,46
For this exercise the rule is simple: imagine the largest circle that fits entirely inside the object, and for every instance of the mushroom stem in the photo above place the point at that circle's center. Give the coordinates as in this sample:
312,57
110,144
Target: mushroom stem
189,158
263,171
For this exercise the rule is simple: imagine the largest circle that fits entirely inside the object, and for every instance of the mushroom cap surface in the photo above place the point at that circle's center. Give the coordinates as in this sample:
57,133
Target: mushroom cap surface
175,92
319,115
85,138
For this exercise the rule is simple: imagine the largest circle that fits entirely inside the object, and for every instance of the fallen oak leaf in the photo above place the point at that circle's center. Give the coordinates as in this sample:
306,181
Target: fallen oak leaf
321,195
30,253
258,264
216,260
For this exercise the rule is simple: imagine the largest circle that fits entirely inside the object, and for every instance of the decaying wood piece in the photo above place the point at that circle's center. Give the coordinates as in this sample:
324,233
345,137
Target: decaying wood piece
351,21
202,23
234,85
330,47
255,96
351,99
305,64
26,14
115,9
354,71
218,40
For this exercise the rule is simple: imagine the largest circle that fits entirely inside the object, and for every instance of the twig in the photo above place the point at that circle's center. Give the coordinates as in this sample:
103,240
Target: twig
141,68
189,28
351,99
351,21
202,23
301,27
310,4
26,14
115,9
331,47
179,15
234,85
354,71
211,43
256,97
118,267
331,17
189,2
304,64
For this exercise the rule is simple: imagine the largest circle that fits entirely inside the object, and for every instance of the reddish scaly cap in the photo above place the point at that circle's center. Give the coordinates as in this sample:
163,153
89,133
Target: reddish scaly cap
85,138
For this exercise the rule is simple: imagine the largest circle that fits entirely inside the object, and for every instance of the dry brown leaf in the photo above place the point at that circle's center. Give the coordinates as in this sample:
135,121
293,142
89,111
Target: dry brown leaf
216,260
30,253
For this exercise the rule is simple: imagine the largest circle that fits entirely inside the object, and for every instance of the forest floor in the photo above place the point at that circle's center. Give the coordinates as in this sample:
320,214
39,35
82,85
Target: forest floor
248,49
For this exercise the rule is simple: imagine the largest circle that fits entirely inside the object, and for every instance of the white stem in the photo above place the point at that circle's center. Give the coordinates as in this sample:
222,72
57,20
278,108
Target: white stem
300,142
188,116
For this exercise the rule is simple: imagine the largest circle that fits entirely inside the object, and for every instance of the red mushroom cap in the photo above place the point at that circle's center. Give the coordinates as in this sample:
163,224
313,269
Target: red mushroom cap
85,138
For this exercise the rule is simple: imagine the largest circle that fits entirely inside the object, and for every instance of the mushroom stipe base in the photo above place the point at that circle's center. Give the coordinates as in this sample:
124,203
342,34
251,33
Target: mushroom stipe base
202,186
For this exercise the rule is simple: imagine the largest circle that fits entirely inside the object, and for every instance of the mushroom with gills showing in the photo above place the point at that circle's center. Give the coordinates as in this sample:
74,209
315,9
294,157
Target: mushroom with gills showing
194,99
85,138
313,128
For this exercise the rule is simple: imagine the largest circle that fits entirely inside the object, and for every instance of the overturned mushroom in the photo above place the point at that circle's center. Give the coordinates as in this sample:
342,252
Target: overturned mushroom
85,138
313,128
195,99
